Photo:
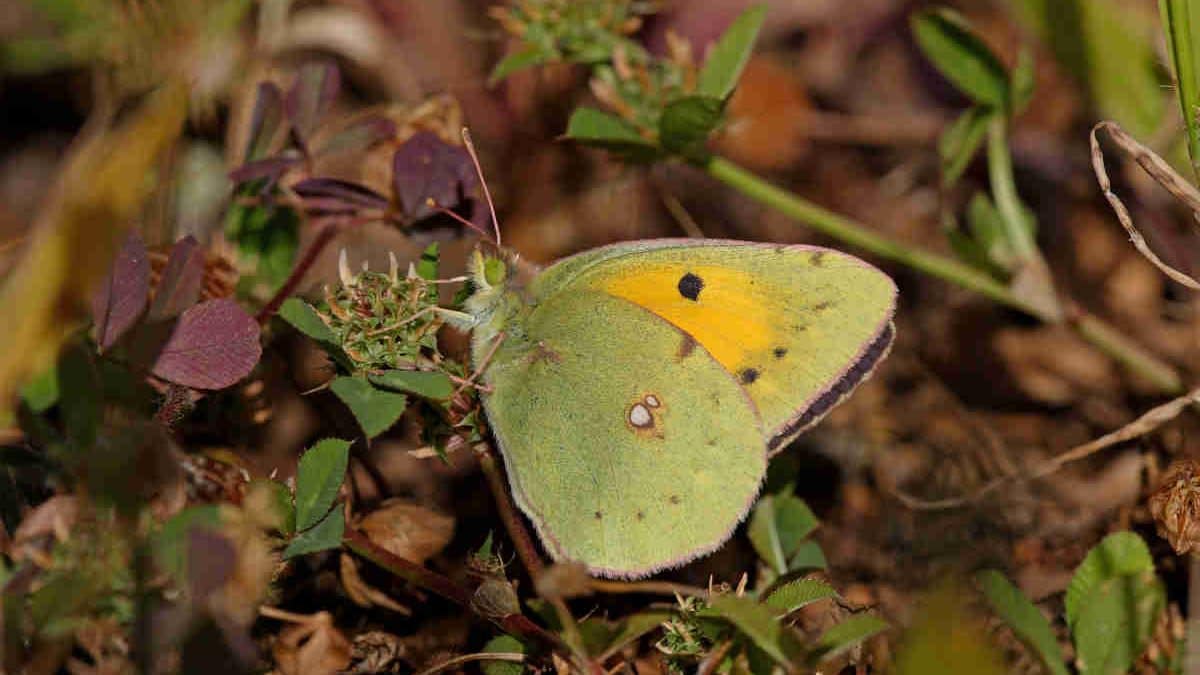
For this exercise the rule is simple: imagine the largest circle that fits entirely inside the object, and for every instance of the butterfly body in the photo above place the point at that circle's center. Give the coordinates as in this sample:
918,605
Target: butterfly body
637,390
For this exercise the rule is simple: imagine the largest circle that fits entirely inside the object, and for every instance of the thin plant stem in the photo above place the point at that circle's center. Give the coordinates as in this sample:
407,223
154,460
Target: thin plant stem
526,550
1191,656
517,625
324,236
1004,191
510,657
1103,336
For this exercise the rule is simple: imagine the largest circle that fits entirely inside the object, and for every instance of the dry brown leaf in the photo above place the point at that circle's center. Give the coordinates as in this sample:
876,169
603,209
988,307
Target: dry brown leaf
312,647
407,530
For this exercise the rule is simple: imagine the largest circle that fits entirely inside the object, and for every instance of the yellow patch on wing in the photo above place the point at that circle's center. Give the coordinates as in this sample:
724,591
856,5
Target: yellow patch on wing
728,315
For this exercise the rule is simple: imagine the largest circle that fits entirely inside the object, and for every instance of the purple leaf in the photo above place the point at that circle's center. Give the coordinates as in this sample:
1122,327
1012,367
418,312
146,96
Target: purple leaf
211,560
119,301
271,168
265,123
214,344
359,136
310,97
428,169
330,195
182,279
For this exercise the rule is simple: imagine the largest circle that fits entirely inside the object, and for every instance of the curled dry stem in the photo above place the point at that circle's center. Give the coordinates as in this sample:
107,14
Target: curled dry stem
1161,172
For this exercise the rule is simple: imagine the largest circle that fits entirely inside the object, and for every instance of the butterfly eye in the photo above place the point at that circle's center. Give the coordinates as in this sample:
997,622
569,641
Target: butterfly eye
494,271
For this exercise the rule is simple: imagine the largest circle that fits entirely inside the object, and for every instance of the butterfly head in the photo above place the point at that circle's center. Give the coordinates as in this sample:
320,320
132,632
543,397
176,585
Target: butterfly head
489,279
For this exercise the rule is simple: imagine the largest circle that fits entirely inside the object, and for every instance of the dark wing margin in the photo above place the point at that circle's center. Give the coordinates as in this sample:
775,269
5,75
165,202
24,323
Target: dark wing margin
837,392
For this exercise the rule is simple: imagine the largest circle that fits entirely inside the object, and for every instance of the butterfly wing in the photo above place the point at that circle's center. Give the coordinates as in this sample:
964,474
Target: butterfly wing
797,326
625,454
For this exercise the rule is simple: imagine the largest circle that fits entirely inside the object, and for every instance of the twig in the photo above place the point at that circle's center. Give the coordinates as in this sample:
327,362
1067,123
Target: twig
324,236
1191,657
714,658
518,625
1149,421
512,657
1161,172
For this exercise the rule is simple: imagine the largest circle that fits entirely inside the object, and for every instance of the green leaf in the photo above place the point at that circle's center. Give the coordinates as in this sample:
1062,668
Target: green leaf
427,266
728,56
1181,23
429,384
961,140
375,409
41,392
1110,47
634,627
600,129
798,593
1023,617
847,634
753,620
268,235
1118,554
530,56
686,123
1115,622
1022,81
778,527
304,318
947,638
325,535
808,556
503,644
318,478
960,56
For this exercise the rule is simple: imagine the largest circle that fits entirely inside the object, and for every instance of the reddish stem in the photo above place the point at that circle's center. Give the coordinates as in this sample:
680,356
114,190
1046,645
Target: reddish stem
324,236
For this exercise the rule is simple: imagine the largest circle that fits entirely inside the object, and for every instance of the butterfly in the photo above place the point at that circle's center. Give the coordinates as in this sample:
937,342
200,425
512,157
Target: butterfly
636,391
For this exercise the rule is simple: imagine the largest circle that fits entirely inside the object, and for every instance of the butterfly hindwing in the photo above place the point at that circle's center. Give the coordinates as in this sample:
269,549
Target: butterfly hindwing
797,326
626,452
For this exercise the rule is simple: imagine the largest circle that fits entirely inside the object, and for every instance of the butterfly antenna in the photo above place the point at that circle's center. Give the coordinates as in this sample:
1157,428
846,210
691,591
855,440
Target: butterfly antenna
466,136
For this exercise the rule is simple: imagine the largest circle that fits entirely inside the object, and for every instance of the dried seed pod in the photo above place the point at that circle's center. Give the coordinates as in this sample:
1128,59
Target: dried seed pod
1176,506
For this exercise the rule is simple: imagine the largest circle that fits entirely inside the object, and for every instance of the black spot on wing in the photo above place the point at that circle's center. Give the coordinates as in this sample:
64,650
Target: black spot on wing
823,305
817,259
690,286
779,352
840,389
748,375
599,515
674,499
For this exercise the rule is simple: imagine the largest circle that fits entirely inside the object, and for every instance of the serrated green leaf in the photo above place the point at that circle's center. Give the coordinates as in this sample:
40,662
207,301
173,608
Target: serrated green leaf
686,123
318,478
375,409
798,593
600,129
728,56
532,55
960,56
757,622
778,527
503,644
429,384
1118,554
1115,621
961,140
634,627
325,535
304,318
1023,617
847,634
